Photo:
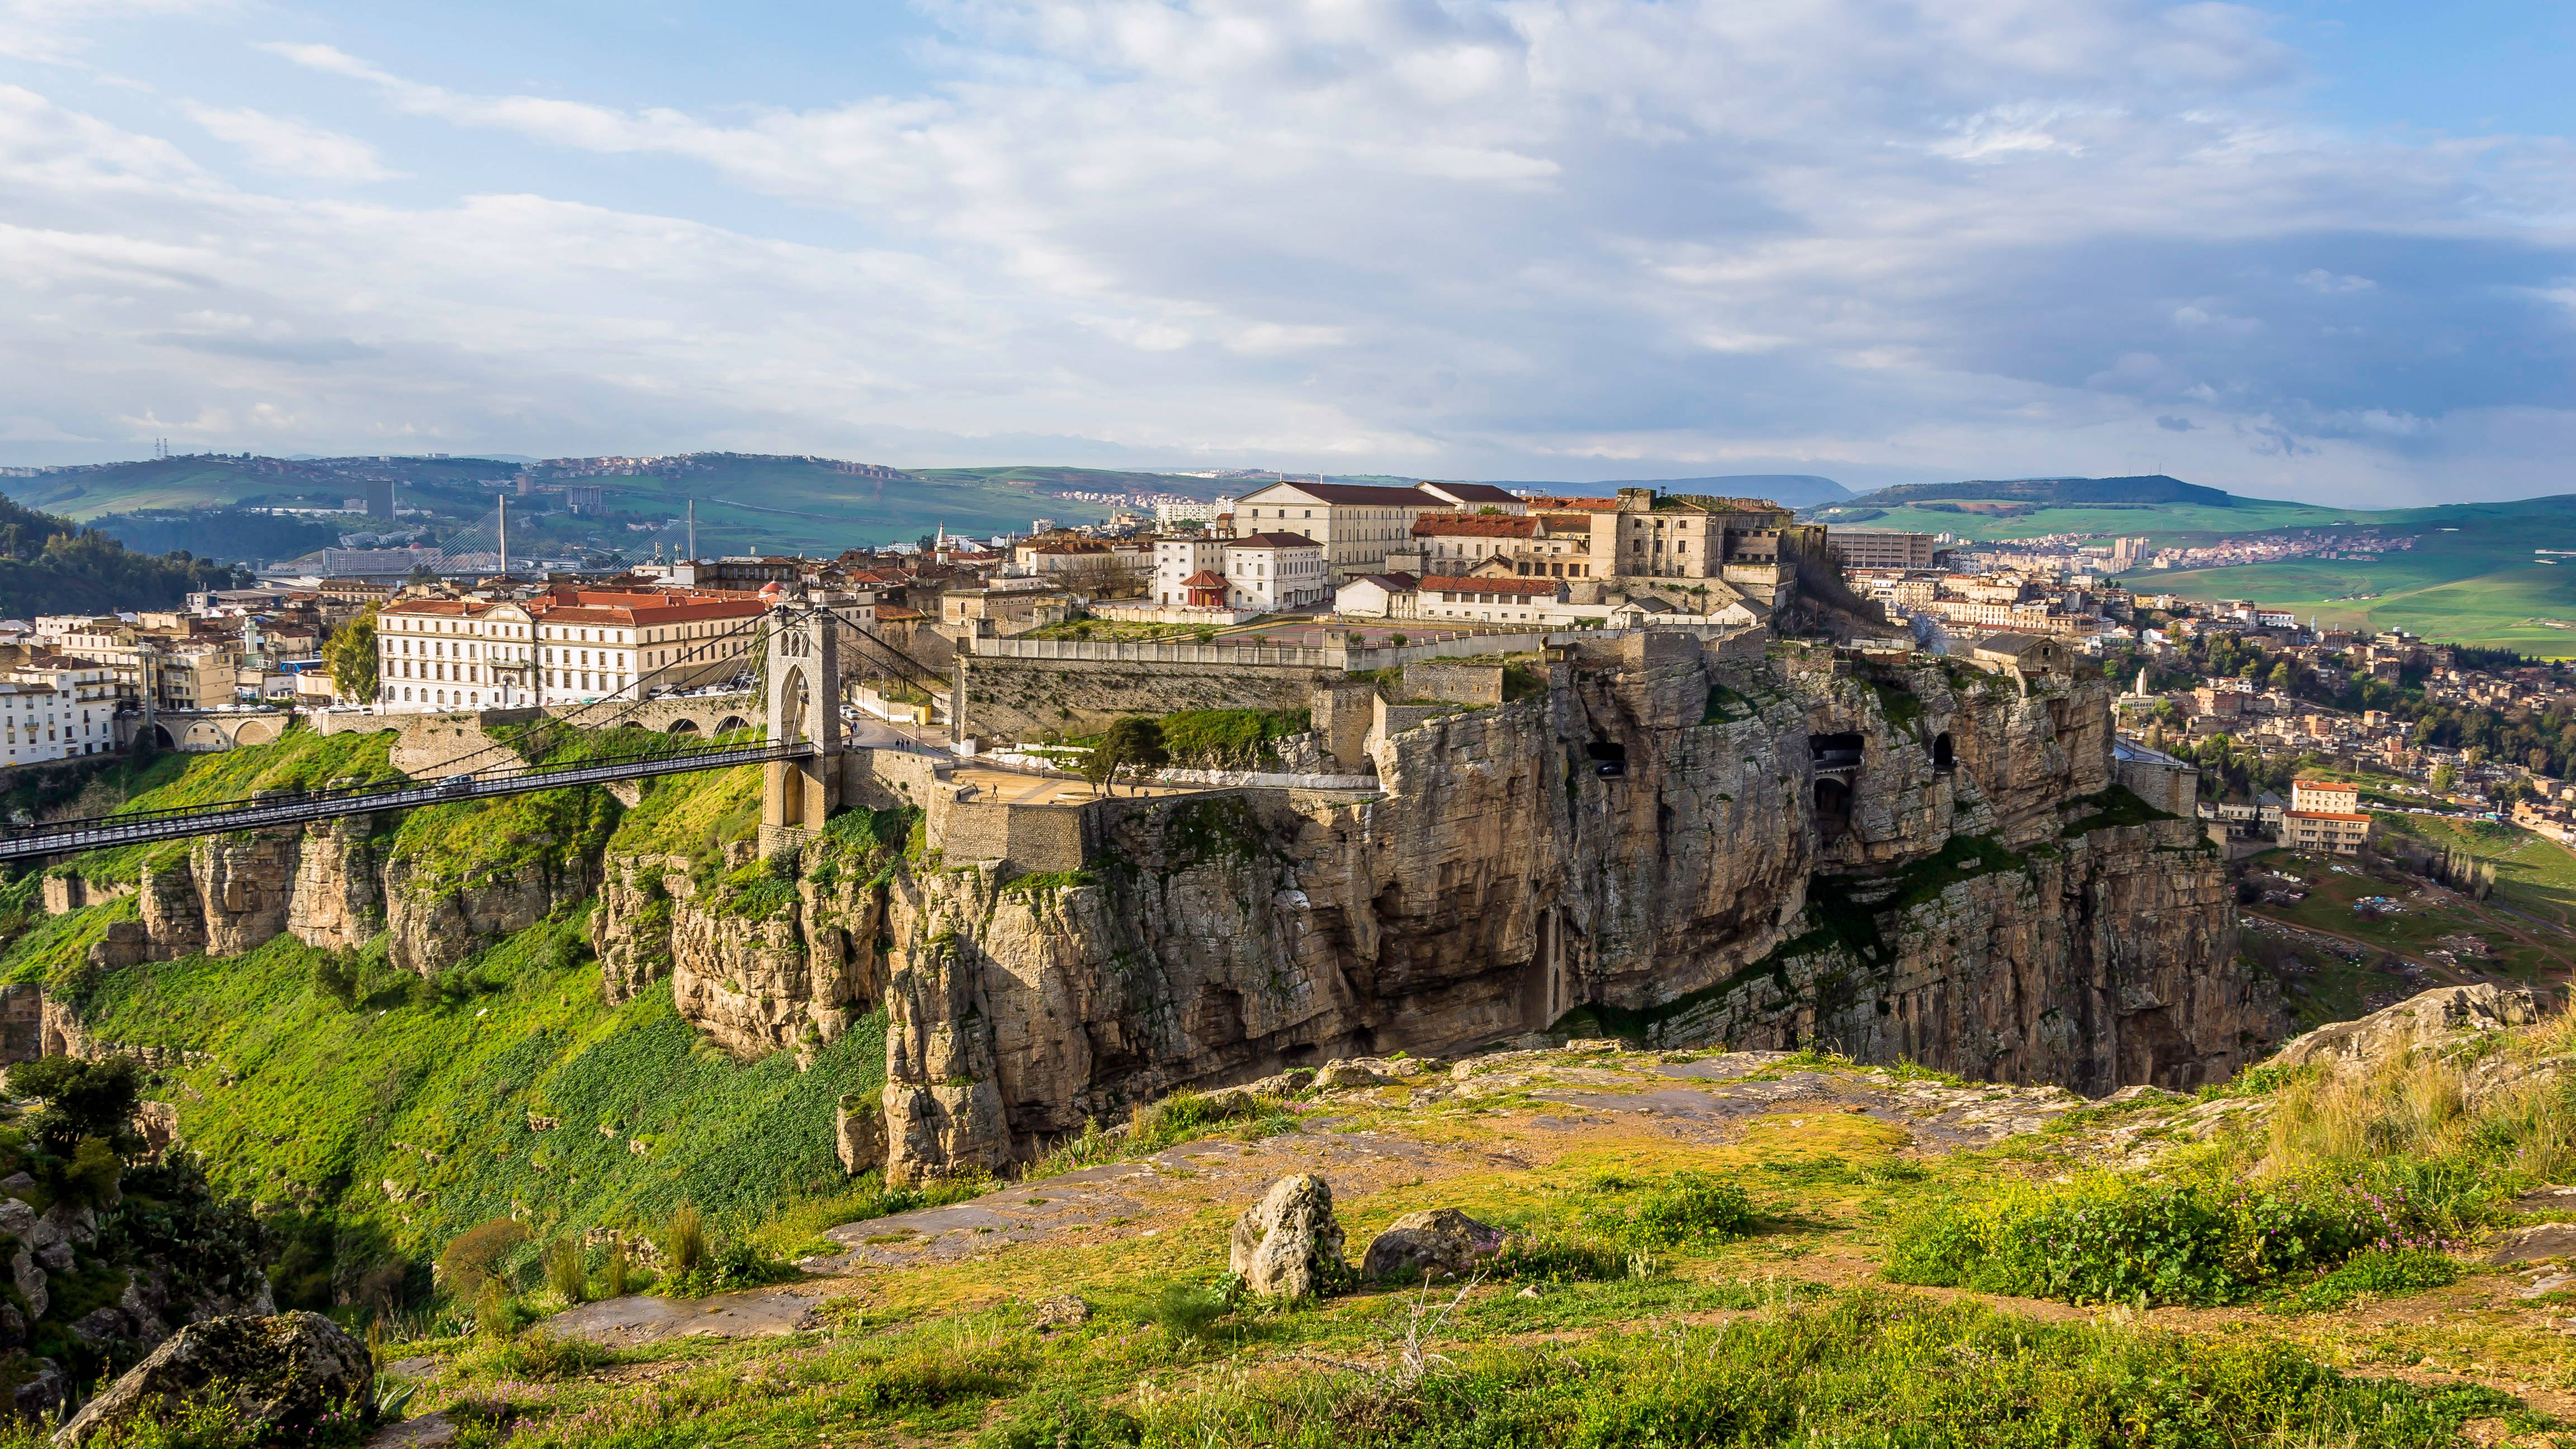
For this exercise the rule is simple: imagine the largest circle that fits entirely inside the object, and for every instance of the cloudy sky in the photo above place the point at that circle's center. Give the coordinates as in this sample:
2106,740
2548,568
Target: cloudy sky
2316,248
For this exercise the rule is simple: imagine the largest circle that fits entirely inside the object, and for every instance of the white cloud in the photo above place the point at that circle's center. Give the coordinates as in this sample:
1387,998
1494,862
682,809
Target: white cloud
1477,237
291,147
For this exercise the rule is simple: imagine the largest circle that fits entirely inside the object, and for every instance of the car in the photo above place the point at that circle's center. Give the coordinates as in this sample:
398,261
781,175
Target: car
456,784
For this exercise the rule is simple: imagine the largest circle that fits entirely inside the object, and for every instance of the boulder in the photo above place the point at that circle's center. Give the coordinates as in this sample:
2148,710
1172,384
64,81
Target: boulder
2533,1244
1443,1242
1064,1310
1357,1072
40,1383
286,1373
1284,1084
1289,1245
2439,1017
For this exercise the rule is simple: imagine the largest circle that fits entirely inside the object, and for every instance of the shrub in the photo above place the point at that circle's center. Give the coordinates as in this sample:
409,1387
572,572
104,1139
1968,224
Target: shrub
684,1241
565,1272
2105,1239
1693,1207
1557,1255
537,1356
1185,1313
1687,1207
621,1268
476,1254
2380,1271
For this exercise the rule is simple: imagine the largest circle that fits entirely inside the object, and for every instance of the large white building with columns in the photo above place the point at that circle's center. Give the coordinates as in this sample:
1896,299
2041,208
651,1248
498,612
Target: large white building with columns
566,646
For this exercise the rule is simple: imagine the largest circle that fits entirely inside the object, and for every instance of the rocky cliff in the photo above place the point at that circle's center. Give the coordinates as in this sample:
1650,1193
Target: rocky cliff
1918,861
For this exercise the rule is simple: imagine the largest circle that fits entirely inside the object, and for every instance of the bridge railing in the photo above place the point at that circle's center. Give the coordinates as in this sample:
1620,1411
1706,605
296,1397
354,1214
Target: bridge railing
132,827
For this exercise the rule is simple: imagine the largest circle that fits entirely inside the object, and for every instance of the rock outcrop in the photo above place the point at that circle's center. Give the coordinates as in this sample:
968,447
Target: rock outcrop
2445,1016
285,1374
785,968
339,896
1289,1245
436,922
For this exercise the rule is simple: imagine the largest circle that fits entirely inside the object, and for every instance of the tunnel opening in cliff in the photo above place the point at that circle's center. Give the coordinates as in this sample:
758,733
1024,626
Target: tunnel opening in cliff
1833,809
1944,755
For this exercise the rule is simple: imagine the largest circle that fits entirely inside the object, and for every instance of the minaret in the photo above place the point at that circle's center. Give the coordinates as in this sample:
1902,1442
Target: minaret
2141,690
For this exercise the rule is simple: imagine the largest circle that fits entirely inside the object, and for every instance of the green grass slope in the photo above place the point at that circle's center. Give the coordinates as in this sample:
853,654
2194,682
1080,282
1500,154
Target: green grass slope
517,1092
2474,576
508,1086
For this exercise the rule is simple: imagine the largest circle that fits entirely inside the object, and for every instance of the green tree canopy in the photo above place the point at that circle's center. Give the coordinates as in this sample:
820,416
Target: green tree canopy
351,655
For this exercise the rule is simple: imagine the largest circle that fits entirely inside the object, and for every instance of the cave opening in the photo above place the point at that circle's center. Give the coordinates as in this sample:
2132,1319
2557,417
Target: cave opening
1943,756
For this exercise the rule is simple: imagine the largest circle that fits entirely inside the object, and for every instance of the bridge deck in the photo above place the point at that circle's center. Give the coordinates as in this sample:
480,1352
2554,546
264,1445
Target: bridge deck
65,837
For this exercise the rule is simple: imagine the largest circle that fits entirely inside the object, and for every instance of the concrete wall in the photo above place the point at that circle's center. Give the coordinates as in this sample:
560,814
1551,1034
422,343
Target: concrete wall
1033,838
887,779
2172,789
1012,698
22,1022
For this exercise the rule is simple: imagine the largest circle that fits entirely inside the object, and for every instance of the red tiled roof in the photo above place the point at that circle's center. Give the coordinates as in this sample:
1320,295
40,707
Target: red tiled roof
1474,525
1204,579
1574,505
1450,583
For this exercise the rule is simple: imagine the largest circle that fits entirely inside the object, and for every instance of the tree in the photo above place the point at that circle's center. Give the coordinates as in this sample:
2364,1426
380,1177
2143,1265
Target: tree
83,1100
2444,779
1132,742
351,655
2280,676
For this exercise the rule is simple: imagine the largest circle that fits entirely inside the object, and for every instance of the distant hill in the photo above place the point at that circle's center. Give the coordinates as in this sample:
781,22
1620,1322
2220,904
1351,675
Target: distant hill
1793,490
51,565
2149,488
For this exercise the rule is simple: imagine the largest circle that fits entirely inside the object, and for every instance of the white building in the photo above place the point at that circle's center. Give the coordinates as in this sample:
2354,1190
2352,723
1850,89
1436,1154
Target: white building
1358,525
594,643
569,646
1169,512
57,709
1275,571
1176,559
442,654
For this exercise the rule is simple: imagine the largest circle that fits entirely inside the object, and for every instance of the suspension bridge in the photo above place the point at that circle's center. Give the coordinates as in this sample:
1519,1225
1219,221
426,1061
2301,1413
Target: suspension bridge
796,660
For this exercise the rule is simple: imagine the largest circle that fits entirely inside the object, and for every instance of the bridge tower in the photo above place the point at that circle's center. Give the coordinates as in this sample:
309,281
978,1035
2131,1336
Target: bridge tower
804,707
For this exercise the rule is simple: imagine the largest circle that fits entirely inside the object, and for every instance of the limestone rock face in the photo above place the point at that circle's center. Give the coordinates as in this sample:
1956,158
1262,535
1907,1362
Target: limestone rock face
1443,1242
792,977
1289,1245
243,882
436,924
859,1134
943,1108
173,915
283,1373
630,931
338,900
2440,1017
1921,861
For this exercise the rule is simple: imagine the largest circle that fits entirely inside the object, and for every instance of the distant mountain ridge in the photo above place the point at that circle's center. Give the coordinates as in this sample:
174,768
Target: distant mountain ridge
2141,488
